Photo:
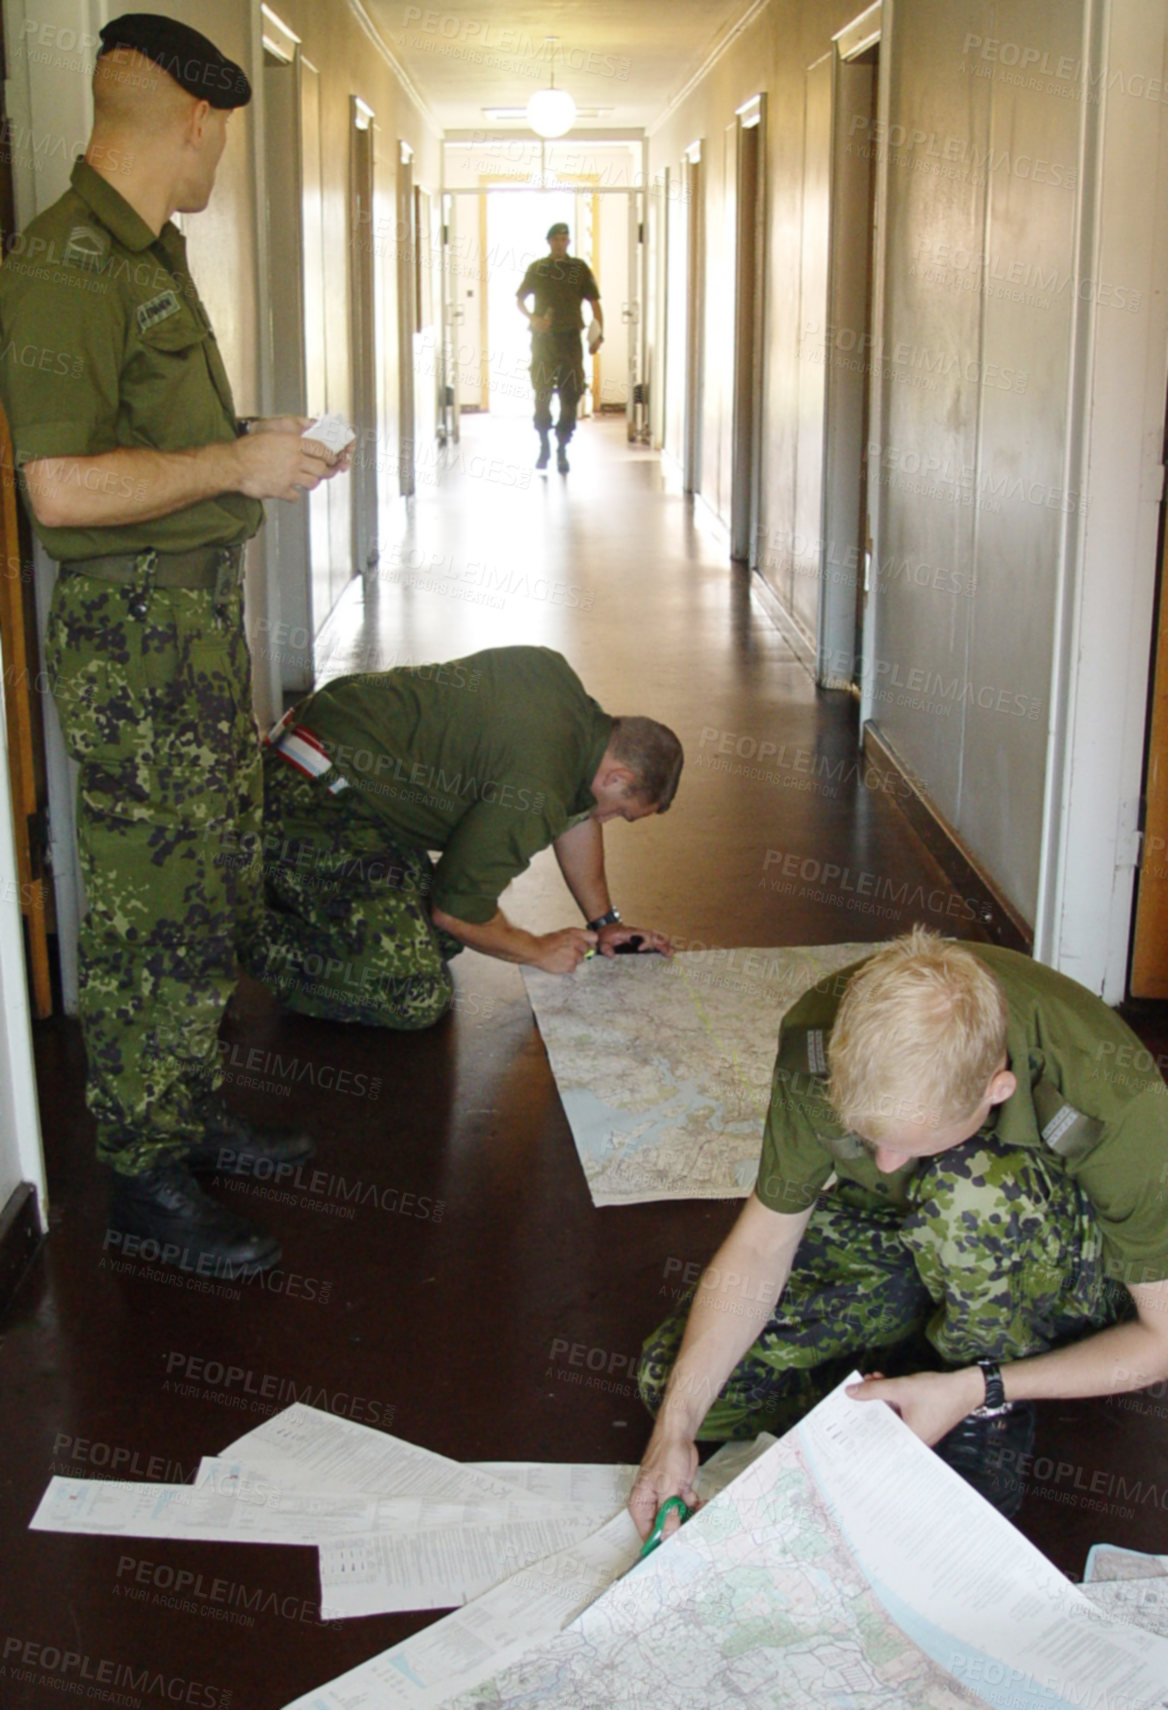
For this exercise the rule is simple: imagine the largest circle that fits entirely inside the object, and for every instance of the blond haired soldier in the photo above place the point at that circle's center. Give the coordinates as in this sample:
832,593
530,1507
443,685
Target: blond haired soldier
964,1170
145,487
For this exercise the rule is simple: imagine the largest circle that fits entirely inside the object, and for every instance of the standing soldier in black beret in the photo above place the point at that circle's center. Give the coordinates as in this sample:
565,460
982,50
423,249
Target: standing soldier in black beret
145,486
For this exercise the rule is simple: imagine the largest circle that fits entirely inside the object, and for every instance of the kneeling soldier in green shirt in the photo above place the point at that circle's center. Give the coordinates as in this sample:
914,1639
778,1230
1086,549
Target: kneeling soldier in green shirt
485,760
964,1168
142,485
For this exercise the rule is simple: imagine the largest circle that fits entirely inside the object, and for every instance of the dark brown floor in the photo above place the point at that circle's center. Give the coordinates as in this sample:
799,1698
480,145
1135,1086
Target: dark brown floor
444,1316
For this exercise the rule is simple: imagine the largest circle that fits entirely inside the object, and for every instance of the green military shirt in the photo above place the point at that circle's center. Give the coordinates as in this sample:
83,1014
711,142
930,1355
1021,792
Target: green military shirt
560,287
1087,1090
104,343
487,759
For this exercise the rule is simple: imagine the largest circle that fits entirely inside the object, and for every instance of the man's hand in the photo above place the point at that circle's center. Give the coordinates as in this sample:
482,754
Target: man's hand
562,952
279,424
930,1403
609,937
275,463
339,462
667,1470
540,323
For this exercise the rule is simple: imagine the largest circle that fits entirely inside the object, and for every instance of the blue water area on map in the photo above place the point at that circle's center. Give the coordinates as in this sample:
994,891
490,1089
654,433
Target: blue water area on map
988,1676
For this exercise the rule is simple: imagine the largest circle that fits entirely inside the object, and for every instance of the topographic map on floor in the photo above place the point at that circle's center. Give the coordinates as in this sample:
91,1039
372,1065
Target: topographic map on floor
664,1067
841,1567
848,1567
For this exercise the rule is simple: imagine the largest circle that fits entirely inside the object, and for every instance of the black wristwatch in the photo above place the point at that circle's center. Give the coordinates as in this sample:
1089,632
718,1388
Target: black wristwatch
612,918
995,1402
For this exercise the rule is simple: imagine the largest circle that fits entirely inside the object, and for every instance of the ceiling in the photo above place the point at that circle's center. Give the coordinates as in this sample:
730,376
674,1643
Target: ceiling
622,60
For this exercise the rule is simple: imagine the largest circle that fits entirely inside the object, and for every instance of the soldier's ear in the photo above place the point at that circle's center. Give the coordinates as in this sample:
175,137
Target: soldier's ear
1003,1085
197,120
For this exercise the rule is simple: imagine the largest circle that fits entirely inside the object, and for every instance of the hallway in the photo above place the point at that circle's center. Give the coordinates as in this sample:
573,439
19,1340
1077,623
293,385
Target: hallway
439,1306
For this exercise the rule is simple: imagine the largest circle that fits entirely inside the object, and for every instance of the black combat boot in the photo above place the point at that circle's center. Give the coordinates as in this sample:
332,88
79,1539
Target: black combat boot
163,1217
232,1146
545,452
562,463
993,1454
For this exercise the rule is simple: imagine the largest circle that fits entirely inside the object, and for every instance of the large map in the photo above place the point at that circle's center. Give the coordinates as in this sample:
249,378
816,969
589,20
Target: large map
845,1567
761,1605
842,1567
664,1067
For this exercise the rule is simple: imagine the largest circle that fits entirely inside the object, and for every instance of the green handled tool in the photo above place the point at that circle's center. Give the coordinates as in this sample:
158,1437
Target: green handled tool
666,1509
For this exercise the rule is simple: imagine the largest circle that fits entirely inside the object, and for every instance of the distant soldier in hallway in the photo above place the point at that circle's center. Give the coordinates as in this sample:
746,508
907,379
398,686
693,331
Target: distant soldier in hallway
560,284
487,760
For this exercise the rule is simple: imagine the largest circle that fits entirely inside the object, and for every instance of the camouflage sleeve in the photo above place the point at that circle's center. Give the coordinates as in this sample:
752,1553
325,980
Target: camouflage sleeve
61,348
589,289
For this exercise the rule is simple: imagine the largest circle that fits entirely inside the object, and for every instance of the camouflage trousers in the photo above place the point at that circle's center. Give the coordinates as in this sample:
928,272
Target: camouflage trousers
346,933
153,689
997,1257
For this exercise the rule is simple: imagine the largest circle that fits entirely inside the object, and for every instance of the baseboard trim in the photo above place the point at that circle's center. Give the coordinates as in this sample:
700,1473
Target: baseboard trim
20,1236
997,918
801,645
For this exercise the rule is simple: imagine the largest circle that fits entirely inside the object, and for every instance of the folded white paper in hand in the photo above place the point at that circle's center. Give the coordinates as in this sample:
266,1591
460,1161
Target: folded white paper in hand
594,335
331,431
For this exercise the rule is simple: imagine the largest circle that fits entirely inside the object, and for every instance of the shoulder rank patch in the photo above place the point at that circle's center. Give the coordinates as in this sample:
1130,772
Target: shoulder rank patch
1065,1130
87,247
158,309
804,1049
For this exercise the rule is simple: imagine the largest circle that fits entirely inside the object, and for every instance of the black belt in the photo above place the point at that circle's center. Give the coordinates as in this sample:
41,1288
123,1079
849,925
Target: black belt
201,567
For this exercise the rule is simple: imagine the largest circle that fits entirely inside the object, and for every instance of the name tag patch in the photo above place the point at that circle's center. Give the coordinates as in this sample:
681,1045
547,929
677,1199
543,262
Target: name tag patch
158,309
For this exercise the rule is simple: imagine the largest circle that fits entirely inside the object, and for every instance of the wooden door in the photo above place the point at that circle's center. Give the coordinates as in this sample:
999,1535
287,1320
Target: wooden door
1149,977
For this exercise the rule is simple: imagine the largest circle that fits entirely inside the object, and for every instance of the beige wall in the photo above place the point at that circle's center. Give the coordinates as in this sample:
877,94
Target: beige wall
771,56
989,116
974,439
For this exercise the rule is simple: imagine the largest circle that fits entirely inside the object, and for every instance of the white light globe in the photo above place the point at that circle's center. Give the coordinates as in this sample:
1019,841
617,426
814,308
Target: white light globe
551,112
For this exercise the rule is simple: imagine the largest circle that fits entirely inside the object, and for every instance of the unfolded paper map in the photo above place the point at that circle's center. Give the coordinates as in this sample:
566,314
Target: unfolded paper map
1128,1585
664,1066
846,1567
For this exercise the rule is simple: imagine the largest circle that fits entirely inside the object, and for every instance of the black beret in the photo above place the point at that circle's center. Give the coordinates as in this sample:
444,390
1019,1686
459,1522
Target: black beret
194,62
558,230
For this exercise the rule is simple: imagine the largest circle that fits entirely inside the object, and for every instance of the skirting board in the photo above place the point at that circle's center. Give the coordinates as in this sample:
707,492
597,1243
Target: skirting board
20,1236
800,644
997,917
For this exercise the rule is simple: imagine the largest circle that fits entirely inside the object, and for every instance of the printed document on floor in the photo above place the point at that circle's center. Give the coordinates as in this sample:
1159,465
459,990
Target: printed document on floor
664,1065
846,1565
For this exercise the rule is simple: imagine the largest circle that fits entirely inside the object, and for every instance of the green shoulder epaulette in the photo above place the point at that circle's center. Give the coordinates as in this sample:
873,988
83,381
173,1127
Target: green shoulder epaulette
1065,1130
803,1051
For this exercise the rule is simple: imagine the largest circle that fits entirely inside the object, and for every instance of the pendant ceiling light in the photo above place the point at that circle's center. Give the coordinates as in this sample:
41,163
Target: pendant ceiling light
551,112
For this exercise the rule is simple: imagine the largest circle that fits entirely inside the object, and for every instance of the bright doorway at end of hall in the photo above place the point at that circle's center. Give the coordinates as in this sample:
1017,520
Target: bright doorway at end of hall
516,222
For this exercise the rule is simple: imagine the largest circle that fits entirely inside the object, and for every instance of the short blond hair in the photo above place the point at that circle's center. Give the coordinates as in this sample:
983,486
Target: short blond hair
919,1034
